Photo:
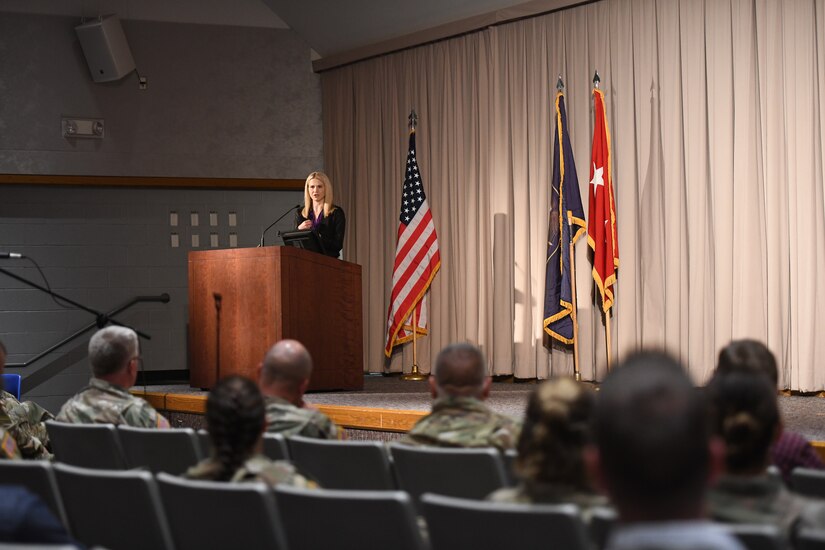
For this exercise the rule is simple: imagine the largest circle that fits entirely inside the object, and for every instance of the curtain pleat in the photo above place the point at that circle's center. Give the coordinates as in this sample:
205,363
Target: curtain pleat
715,110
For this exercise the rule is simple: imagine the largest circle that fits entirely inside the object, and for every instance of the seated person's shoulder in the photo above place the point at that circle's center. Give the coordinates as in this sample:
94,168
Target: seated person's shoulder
141,414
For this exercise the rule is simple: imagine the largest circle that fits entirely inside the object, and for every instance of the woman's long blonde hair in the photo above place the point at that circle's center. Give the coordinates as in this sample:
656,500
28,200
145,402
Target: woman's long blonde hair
328,203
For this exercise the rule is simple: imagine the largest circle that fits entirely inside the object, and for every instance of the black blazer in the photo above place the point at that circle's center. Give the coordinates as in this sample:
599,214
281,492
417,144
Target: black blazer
330,230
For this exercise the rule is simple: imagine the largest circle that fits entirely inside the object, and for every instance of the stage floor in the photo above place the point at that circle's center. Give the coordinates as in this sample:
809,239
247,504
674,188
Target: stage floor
802,414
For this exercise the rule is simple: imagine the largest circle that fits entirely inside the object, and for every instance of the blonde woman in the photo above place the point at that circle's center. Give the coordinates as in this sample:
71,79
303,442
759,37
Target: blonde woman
321,215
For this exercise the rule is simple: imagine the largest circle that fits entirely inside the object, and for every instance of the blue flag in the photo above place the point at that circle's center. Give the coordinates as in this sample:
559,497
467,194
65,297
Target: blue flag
566,225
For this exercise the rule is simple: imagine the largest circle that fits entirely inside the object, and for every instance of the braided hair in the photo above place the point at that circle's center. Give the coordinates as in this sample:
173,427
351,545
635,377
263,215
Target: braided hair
746,416
555,431
235,417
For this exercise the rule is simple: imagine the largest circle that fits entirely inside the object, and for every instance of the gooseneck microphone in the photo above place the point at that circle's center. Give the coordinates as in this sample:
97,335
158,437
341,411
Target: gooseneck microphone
12,255
296,207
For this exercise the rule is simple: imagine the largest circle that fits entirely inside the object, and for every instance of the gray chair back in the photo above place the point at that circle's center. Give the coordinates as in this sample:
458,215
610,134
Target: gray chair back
276,447
213,514
810,539
86,445
510,456
808,482
33,546
38,477
483,525
758,536
602,520
172,451
361,465
114,509
391,517
206,443
465,473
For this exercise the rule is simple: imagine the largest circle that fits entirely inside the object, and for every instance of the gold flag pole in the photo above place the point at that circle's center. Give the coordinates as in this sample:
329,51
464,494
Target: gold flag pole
573,315
607,337
414,374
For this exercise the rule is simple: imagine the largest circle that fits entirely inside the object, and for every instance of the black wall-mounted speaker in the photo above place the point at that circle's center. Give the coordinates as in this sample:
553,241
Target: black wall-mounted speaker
105,48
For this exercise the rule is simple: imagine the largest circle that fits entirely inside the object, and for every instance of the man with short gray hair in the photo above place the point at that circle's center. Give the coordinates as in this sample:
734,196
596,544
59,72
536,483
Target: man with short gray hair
115,357
283,377
459,418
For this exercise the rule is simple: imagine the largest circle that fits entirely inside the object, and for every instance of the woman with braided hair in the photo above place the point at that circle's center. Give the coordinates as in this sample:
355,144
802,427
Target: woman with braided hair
235,417
746,417
550,463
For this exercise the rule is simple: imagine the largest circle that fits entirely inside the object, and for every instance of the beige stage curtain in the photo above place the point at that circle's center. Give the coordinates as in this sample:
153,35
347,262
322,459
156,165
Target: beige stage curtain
715,110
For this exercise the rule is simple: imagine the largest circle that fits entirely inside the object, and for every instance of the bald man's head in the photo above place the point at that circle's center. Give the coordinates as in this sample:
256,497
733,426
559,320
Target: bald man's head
461,371
288,365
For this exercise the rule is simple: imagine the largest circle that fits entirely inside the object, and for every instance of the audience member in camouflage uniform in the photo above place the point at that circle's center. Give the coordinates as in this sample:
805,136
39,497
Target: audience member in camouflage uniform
283,378
114,356
24,421
458,417
550,461
654,455
235,419
746,416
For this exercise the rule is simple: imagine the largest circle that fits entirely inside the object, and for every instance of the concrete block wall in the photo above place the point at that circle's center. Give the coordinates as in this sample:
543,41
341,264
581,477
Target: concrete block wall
102,246
222,102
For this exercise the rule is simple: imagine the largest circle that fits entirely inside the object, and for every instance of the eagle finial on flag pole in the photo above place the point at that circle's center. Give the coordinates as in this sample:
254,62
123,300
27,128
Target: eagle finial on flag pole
559,84
596,79
413,118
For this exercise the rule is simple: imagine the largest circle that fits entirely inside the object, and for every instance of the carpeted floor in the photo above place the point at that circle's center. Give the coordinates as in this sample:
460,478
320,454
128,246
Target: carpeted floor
805,415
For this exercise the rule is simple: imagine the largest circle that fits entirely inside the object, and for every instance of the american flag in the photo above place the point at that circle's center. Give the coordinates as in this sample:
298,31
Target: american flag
417,259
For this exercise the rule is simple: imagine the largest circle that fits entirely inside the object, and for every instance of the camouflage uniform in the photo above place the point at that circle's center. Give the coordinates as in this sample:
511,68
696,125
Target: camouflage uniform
256,468
105,403
285,418
25,423
464,422
763,499
8,448
547,493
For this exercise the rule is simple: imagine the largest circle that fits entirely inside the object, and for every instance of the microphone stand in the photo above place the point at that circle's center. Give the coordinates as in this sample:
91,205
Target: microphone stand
218,298
296,207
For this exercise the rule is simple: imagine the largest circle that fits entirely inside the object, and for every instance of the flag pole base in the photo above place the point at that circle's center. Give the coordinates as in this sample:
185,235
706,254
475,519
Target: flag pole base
578,377
414,374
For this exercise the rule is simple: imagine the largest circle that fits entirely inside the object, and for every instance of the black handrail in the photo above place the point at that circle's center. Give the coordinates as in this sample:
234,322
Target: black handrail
163,298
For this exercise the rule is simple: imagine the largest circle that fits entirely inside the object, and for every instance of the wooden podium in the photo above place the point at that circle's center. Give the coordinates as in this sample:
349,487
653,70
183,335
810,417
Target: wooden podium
243,300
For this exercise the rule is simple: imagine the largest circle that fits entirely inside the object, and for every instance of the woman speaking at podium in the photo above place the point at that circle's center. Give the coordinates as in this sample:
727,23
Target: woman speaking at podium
321,215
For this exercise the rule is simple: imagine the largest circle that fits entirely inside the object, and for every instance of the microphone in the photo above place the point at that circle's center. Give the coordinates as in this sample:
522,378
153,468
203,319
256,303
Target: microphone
13,255
296,207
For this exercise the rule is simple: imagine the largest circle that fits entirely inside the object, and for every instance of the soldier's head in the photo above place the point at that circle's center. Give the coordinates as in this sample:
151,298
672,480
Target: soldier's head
654,454
748,355
235,417
746,417
555,432
460,371
114,354
285,371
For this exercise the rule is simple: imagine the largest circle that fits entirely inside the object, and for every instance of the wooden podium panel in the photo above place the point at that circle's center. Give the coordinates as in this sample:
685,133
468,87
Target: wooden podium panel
243,300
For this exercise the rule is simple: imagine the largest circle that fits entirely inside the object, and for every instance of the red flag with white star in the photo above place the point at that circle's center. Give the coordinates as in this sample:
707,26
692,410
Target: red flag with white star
601,227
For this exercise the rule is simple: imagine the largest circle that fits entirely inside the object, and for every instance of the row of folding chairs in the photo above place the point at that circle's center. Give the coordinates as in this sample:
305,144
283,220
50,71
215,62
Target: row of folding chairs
348,465
132,509
808,482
